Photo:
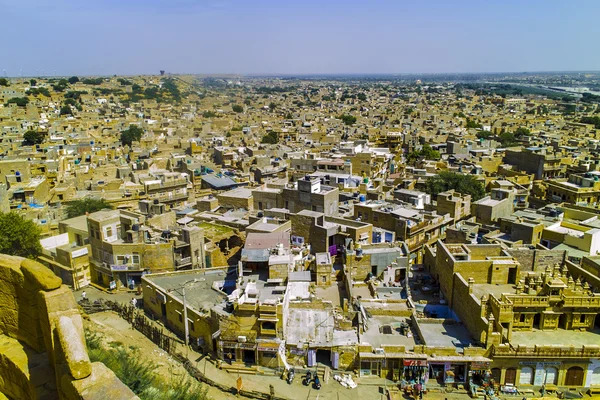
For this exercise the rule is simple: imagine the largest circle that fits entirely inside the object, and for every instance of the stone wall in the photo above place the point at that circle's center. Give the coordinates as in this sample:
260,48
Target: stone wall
42,345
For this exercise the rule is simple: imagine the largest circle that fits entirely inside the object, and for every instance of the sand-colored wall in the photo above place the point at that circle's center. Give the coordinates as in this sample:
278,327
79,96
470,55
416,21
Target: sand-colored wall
42,345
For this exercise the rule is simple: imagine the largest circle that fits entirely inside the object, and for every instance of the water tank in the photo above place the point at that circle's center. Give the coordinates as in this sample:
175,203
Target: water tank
260,214
17,173
362,198
135,227
155,201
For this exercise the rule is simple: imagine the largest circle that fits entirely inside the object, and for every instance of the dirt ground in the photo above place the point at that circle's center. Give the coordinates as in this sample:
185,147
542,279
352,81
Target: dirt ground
115,329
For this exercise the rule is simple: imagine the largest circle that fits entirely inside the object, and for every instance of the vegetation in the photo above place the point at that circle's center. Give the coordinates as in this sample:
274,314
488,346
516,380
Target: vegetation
61,86
36,91
87,205
73,80
92,81
4,82
473,124
208,114
132,134
348,119
426,152
270,138
237,108
66,110
19,236
31,138
465,184
137,372
20,101
591,120
483,135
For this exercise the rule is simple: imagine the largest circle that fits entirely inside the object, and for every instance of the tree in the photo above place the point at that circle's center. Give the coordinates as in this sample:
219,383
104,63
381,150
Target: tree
362,97
31,138
19,236
73,80
87,205
272,106
20,101
247,102
66,110
465,184
520,132
237,108
32,82
348,119
507,139
426,152
208,114
591,120
3,82
483,135
473,124
270,138
130,135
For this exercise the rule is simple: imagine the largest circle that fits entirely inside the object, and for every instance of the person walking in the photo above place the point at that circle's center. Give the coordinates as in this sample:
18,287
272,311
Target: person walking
83,296
134,302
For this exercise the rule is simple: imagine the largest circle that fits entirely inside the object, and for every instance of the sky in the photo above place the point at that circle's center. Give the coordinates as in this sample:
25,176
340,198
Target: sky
129,37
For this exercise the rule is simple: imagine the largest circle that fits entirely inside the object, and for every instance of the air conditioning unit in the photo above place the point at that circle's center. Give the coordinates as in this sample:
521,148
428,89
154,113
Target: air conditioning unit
241,339
379,350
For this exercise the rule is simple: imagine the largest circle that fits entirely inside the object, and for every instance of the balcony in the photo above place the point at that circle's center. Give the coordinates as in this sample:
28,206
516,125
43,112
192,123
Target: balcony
181,262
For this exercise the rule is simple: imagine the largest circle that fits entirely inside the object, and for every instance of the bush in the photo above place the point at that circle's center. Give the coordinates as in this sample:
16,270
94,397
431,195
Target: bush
237,108
20,101
270,138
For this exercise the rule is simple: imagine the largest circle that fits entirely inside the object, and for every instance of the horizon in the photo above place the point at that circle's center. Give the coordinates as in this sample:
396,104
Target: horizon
183,37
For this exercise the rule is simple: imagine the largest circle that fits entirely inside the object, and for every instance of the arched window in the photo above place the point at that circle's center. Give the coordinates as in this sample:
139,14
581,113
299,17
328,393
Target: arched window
596,377
526,376
511,376
551,376
496,374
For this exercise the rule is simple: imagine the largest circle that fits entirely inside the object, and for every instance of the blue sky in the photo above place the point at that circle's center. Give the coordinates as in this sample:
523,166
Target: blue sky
87,37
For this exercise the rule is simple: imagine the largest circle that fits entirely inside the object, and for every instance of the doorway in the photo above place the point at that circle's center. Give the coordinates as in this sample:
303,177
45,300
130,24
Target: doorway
510,377
249,357
574,376
324,357
536,321
512,276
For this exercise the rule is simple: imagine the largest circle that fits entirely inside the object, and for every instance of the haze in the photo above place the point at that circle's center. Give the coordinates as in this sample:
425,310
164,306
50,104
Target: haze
68,37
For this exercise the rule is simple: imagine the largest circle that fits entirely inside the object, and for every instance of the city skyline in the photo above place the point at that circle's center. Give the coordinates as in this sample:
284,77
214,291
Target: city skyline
311,38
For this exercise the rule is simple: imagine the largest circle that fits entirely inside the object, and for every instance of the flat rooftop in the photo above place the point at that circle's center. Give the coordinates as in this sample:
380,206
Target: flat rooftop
376,338
445,334
484,289
558,337
198,293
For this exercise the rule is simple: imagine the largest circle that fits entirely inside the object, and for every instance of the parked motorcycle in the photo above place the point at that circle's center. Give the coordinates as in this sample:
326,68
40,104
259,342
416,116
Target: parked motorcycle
317,384
290,375
307,378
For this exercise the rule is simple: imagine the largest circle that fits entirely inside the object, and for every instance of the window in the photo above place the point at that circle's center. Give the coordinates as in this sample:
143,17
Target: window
135,258
109,231
551,376
582,319
180,317
522,318
526,376
191,326
324,279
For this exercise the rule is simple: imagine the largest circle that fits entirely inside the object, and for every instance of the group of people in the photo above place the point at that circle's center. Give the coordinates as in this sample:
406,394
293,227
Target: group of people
133,301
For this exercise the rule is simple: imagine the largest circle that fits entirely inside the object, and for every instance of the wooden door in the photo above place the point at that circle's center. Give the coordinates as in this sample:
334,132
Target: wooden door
511,376
574,376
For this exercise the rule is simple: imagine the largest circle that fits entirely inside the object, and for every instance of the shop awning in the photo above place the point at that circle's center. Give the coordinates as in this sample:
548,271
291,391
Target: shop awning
458,359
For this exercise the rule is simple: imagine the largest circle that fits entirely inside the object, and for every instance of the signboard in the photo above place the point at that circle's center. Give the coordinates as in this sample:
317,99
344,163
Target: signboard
475,365
79,252
247,346
268,347
112,285
229,345
297,351
118,267
415,363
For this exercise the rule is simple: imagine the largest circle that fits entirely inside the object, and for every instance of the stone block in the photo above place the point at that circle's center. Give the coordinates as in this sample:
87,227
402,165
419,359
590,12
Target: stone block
71,339
100,385
39,276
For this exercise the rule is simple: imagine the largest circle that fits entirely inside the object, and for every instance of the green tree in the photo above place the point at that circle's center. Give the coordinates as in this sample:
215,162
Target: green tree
247,102
362,97
591,120
507,139
31,138
87,205
32,82
270,138
465,184
73,80
521,131
237,108
272,106
65,110
3,82
20,101
132,134
473,124
483,135
426,152
348,119
208,114
19,236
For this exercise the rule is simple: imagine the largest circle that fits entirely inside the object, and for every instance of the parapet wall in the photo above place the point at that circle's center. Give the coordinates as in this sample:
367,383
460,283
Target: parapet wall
42,345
